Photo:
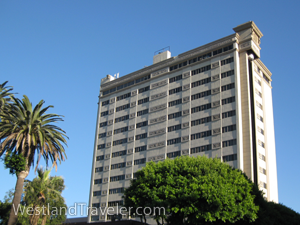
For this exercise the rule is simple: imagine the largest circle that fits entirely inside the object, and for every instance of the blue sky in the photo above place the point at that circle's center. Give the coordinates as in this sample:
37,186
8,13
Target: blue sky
59,51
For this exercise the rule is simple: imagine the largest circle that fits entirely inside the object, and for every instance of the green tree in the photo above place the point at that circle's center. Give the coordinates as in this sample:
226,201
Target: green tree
5,207
5,96
192,191
28,131
271,213
43,196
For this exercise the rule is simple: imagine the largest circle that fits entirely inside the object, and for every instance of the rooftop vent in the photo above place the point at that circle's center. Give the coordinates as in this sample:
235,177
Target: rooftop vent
161,55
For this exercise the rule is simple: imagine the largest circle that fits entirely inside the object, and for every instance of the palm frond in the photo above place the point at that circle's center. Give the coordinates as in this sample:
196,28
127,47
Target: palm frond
30,131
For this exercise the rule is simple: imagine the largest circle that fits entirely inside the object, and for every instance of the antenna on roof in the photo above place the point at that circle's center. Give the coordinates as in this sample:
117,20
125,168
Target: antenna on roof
162,50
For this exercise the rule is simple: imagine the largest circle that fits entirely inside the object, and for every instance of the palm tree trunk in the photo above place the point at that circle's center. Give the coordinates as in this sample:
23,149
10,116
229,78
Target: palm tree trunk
34,218
44,220
13,216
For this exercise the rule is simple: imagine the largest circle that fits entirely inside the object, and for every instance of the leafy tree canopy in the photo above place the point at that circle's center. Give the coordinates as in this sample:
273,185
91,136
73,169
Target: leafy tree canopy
43,195
192,191
5,96
14,162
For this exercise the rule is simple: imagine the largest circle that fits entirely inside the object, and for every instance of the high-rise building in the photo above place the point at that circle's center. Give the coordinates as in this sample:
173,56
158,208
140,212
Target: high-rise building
214,100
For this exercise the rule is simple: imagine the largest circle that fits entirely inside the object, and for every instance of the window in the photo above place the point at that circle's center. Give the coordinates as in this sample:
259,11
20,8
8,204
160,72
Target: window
123,96
103,124
228,128
102,135
260,130
122,107
174,115
144,100
175,102
193,60
262,157
120,130
201,121
262,144
118,165
98,169
228,100
173,154
264,185
96,205
257,81
260,118
229,143
101,146
201,70
100,157
115,203
120,153
140,136
141,148
105,103
201,108
122,118
258,93
201,95
125,85
201,135
216,52
227,61
225,49
96,193
227,74
98,181
201,149
142,112
116,190
204,56
173,79
174,141
119,142
142,124
144,89
262,170
106,92
117,178
227,87
175,90
173,128
182,64
139,161
104,113
201,82
229,158
259,105
142,79
266,78
228,114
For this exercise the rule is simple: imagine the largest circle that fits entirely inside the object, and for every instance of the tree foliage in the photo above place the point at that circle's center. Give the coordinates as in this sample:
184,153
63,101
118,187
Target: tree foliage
14,162
29,132
5,207
5,96
43,196
193,191
271,213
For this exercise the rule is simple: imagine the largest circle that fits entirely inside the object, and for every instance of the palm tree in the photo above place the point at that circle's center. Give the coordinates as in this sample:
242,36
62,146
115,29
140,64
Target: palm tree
27,132
42,192
5,96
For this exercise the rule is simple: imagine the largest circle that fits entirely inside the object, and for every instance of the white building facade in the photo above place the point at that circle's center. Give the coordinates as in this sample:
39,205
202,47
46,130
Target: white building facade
214,100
